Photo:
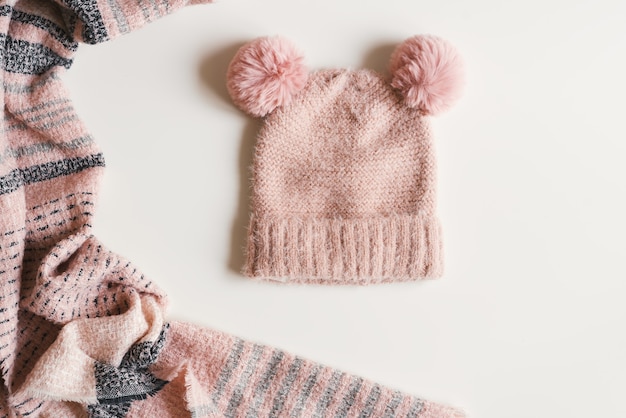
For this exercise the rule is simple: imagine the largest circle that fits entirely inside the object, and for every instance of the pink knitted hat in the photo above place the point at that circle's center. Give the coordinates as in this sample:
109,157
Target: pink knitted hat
344,167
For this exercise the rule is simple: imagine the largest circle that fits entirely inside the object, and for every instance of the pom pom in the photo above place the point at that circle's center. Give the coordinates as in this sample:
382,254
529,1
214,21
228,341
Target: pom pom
265,74
428,72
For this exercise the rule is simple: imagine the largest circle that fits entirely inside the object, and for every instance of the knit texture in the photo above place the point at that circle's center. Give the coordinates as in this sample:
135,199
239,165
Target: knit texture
82,331
344,187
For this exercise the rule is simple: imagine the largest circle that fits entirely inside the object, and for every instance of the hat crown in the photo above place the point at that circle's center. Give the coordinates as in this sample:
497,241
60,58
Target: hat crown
346,146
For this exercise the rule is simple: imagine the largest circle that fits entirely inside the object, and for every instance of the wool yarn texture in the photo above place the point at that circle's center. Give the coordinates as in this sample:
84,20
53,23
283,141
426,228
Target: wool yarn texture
82,331
344,173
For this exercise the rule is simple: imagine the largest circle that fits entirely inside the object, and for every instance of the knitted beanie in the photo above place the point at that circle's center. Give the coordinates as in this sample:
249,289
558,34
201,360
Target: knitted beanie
344,167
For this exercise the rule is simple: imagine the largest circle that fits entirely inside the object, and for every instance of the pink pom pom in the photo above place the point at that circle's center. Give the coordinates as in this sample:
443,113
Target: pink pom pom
265,74
428,72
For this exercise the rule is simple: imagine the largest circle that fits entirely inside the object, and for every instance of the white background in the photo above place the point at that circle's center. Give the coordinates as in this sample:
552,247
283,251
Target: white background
529,320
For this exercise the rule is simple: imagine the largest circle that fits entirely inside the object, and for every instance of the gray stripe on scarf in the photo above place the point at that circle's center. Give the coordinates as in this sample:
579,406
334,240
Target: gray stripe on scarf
390,410
120,18
416,408
306,391
233,360
30,88
237,397
371,402
283,393
348,400
45,147
328,394
264,384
